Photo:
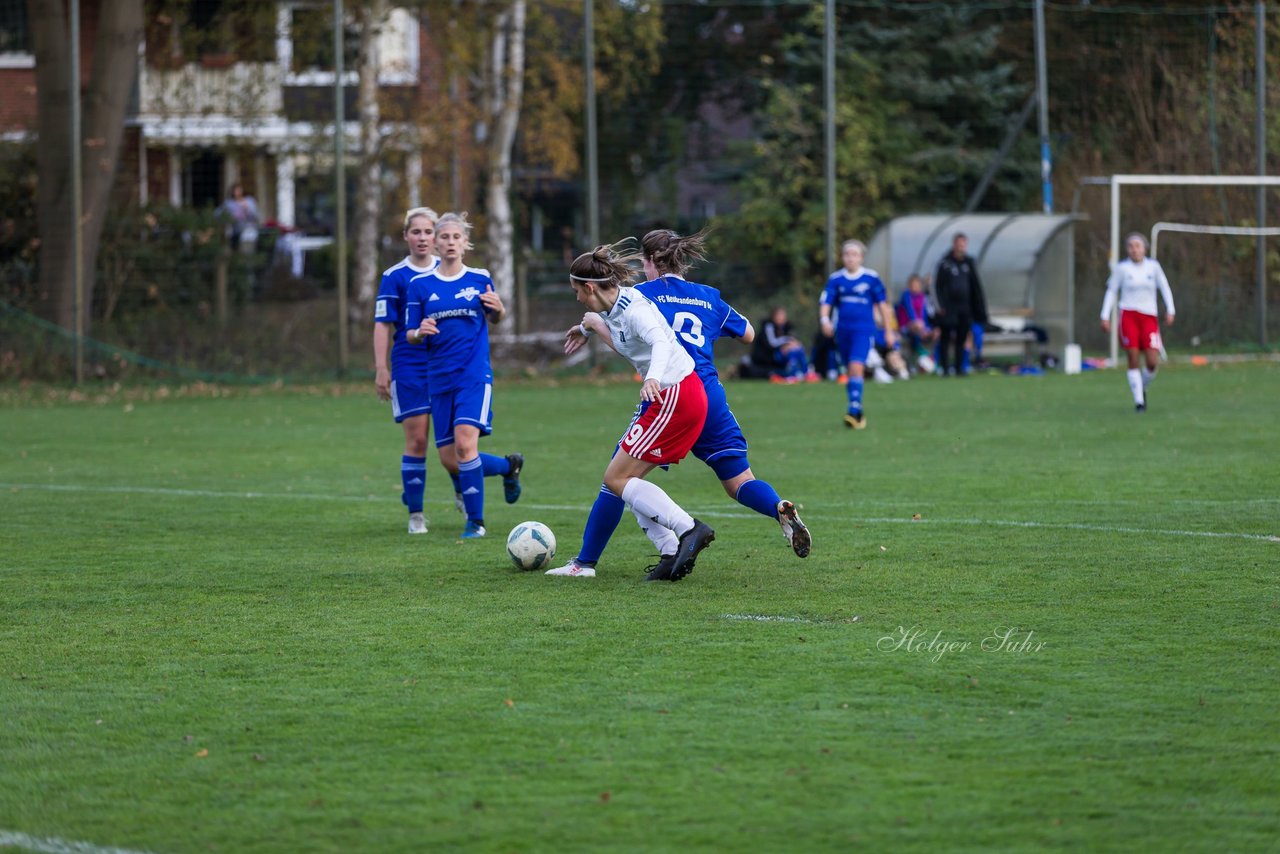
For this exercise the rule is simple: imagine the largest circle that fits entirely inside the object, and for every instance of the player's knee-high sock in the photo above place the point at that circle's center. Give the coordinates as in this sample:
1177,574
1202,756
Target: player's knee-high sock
413,476
760,496
605,515
1147,376
457,483
1136,385
663,539
854,389
471,478
651,501
965,362
494,465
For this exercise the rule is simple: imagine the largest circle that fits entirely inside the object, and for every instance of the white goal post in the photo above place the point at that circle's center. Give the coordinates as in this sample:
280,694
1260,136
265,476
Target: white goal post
1192,228
1119,181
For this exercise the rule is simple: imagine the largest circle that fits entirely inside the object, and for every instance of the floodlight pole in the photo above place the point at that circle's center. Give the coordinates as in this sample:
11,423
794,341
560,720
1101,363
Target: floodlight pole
1042,98
829,122
1261,71
593,169
77,196
340,191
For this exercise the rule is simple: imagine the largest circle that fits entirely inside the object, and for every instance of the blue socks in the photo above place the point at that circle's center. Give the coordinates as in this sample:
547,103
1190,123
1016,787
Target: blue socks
494,465
413,477
854,388
760,496
471,481
605,515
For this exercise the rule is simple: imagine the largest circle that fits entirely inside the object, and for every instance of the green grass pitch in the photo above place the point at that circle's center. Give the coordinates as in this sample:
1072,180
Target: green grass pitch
216,635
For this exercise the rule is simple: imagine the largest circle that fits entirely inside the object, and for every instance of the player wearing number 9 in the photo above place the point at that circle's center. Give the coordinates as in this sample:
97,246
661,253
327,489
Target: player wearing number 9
672,411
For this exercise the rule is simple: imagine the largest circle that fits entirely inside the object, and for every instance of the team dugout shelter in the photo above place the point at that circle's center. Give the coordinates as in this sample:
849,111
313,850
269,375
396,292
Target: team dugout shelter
1026,263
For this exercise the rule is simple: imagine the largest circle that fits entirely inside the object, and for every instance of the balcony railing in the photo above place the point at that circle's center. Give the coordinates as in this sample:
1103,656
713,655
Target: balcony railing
240,89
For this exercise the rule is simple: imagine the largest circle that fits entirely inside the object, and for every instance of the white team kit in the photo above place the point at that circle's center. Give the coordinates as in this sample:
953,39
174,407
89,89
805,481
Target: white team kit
1136,286
642,336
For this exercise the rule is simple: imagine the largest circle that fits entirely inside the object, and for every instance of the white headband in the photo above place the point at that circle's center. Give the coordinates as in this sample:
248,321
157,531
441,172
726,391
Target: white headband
584,279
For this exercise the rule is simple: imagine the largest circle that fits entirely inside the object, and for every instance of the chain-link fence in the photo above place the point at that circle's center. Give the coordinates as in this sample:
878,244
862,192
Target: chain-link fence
709,113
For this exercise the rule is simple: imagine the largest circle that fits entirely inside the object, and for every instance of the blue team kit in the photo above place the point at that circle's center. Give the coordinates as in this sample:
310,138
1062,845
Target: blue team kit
409,392
699,316
458,369
854,300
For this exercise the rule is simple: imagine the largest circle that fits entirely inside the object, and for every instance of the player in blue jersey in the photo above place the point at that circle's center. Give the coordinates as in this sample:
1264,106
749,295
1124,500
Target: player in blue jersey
699,315
400,371
855,294
448,312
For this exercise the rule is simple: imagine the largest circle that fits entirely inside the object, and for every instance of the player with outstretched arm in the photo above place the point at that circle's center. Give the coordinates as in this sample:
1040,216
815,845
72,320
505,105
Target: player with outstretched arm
1134,282
448,311
673,408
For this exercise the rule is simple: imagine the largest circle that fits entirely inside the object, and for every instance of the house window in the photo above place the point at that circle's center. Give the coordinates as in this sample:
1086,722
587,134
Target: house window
15,35
305,46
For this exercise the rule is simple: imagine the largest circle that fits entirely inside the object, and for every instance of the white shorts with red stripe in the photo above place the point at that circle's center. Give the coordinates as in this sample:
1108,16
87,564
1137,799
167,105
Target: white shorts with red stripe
667,428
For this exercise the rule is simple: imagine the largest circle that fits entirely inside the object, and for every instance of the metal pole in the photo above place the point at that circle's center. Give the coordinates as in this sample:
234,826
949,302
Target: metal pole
1042,98
1113,257
77,195
340,191
829,122
589,72
1261,71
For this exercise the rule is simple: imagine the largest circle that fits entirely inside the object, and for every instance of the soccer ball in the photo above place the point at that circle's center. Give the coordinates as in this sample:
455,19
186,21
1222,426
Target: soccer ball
531,545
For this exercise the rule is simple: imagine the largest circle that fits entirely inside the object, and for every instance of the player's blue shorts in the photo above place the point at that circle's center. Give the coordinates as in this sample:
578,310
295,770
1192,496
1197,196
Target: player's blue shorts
855,344
721,444
468,405
409,398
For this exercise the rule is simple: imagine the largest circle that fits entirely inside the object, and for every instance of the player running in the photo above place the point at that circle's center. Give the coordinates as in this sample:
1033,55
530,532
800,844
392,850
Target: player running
446,310
673,408
1136,280
856,294
699,315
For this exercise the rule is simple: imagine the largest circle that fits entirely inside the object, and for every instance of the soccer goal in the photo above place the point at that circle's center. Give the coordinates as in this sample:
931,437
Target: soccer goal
1117,182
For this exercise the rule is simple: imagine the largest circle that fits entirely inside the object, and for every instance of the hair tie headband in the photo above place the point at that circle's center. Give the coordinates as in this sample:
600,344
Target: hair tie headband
585,279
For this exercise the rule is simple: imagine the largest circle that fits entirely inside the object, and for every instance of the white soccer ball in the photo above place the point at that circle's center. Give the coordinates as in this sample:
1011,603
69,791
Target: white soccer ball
531,545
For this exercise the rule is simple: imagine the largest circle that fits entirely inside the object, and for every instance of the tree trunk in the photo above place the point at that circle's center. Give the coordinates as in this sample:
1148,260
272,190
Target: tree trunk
368,213
115,62
506,88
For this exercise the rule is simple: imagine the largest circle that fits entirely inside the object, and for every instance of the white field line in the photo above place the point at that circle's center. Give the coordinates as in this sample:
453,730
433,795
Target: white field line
53,845
710,514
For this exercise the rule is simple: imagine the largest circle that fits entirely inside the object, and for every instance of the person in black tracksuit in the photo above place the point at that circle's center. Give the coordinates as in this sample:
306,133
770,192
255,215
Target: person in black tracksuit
961,303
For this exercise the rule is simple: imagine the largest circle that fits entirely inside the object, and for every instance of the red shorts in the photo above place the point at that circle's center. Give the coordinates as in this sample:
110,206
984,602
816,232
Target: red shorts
668,427
1139,331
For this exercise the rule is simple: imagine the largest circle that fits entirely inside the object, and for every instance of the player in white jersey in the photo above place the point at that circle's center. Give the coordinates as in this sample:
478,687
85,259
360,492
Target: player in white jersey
673,405
1135,281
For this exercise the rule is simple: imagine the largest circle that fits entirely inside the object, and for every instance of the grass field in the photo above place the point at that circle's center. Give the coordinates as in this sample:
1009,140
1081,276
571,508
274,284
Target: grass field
215,634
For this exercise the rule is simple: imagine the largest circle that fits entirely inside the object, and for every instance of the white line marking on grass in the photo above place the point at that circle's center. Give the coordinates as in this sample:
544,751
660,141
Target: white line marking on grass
764,618
1075,526
711,514
53,845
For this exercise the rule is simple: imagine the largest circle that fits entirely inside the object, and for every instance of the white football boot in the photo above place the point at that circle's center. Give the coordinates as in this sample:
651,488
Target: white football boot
417,523
573,569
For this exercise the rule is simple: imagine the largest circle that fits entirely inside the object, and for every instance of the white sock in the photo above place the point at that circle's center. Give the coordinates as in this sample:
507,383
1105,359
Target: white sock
1136,385
1147,376
650,502
663,539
